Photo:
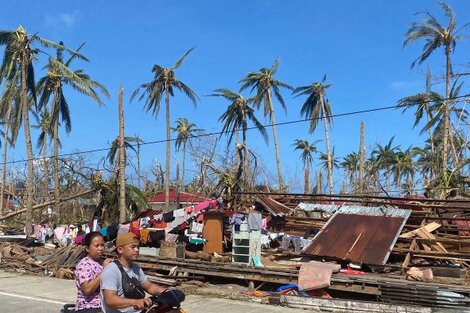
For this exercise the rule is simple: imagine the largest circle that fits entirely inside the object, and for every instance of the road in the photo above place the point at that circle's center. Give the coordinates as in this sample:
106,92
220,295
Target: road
20,293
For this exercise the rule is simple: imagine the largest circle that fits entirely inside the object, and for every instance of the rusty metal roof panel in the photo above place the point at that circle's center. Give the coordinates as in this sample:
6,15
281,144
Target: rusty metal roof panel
364,238
274,207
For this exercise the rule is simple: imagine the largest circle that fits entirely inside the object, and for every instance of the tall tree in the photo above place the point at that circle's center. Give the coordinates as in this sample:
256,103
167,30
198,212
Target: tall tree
184,130
438,35
350,164
236,119
423,102
317,107
8,102
122,159
163,84
384,156
265,85
307,149
46,134
17,64
129,143
51,87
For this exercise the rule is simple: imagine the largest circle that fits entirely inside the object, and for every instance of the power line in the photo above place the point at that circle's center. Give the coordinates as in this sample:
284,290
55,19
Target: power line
223,132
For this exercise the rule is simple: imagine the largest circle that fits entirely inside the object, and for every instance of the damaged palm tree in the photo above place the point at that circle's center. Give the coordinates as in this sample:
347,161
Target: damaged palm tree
236,119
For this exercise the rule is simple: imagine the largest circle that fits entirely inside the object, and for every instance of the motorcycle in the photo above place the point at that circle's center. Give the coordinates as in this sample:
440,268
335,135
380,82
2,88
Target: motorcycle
161,304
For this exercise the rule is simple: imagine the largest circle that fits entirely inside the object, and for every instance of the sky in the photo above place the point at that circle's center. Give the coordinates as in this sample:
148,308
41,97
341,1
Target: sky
357,44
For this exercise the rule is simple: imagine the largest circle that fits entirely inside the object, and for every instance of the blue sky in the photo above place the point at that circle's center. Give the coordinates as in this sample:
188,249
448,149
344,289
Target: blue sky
358,44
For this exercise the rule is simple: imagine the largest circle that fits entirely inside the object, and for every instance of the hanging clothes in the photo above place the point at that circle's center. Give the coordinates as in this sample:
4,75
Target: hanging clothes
255,221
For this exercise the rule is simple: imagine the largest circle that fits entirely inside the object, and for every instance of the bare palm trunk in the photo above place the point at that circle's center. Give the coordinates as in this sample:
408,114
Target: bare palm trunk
29,149
138,167
4,159
307,180
276,144
362,152
46,169
328,150
55,165
122,161
184,165
445,144
167,162
246,173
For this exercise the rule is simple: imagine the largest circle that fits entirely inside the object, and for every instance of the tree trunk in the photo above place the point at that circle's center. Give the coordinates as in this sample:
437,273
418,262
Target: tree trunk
362,152
245,158
319,183
276,144
55,165
138,167
445,141
46,169
184,164
4,159
122,160
328,150
29,148
307,180
167,162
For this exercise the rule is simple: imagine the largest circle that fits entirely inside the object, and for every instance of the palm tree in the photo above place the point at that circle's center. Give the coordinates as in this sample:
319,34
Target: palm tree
163,84
265,84
307,149
185,130
385,158
350,165
17,65
59,74
404,167
333,162
45,125
129,143
9,101
422,103
236,119
437,35
317,107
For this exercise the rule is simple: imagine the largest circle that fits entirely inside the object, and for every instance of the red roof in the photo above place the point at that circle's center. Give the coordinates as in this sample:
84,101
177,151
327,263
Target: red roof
184,197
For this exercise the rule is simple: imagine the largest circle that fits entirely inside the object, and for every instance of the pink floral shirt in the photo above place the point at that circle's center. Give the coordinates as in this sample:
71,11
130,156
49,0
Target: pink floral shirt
86,270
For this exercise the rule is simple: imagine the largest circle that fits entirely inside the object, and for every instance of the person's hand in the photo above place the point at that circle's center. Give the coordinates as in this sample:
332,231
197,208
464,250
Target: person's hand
107,261
172,297
140,304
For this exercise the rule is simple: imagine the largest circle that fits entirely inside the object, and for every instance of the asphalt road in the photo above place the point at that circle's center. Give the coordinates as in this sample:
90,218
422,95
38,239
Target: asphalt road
21,293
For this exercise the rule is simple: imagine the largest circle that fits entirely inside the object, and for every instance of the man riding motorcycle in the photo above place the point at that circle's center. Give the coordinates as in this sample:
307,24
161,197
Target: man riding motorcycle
123,283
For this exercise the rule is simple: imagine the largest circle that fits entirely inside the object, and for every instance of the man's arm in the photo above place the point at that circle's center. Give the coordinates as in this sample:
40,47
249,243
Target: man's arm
152,288
114,301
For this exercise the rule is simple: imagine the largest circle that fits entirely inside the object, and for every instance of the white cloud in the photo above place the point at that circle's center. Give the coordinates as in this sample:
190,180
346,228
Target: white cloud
61,20
405,85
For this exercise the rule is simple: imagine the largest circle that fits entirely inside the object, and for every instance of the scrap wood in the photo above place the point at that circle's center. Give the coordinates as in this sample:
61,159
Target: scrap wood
428,227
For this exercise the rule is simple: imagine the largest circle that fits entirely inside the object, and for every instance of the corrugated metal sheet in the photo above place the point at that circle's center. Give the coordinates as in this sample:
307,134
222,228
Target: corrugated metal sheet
328,208
375,211
359,234
274,207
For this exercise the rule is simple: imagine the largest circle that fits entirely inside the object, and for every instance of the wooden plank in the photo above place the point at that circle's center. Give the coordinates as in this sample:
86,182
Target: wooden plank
428,227
423,233
408,255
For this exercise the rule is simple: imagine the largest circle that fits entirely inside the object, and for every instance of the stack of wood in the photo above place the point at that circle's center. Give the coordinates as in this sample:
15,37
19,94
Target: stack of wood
35,261
427,243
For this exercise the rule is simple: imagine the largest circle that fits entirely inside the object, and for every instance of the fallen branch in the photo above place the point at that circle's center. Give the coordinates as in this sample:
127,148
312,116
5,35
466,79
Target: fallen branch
42,205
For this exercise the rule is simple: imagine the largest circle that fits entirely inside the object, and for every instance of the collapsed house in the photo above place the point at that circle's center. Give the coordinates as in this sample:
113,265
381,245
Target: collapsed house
314,251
